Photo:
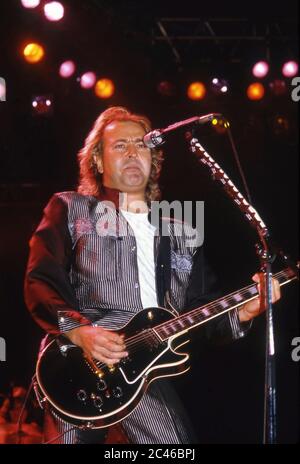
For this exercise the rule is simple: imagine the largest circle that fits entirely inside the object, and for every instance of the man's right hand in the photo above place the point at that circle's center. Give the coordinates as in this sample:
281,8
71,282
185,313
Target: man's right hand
98,343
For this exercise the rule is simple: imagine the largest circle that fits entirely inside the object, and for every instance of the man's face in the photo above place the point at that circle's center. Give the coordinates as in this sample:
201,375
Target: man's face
125,159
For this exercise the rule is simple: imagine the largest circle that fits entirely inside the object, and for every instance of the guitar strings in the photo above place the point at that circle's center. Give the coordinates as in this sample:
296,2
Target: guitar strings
142,340
137,341
131,341
198,311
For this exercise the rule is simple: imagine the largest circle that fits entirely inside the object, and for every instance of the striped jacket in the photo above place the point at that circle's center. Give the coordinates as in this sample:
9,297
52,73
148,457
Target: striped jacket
82,269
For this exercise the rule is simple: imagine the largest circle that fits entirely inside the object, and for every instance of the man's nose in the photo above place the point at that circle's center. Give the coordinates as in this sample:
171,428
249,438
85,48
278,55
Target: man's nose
132,151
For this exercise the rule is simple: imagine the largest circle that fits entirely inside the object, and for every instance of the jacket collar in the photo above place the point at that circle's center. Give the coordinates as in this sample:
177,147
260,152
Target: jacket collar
114,196
110,194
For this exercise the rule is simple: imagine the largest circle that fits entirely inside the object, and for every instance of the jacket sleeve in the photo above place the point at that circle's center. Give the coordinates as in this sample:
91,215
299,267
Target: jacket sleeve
48,292
203,288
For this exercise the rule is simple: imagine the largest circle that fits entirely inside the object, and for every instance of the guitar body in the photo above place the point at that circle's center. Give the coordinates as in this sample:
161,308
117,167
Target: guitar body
90,394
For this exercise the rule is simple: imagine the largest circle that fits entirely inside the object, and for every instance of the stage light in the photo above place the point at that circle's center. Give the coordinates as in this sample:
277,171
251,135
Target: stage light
88,80
280,125
30,3
67,69
260,69
42,105
278,87
219,86
166,88
255,91
220,125
196,91
104,88
33,53
54,11
290,69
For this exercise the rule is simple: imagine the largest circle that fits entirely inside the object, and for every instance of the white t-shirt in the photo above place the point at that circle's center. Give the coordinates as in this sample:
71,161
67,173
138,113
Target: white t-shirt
144,235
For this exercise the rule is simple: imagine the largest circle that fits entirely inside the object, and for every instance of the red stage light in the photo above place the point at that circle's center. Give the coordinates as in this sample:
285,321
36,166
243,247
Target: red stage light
166,88
278,87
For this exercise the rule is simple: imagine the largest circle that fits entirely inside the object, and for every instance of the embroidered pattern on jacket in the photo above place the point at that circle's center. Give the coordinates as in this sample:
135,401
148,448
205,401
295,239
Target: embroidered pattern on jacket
181,262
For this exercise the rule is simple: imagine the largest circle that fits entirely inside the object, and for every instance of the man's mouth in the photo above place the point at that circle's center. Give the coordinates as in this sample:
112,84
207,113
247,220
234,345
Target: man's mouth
132,168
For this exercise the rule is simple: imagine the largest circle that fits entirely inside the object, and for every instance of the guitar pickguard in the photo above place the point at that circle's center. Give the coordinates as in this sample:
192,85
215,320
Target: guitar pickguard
138,363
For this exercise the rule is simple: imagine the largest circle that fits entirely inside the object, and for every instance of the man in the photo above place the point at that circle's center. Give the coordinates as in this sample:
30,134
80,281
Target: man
84,277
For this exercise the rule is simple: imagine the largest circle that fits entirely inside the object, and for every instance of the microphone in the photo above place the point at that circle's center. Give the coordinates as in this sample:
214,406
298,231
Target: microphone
157,137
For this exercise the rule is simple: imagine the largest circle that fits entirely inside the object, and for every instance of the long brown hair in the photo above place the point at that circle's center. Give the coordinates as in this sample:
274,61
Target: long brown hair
90,179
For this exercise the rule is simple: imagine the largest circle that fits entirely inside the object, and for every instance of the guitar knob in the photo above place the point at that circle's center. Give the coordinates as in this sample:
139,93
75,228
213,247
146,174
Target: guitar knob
101,385
82,395
117,392
97,400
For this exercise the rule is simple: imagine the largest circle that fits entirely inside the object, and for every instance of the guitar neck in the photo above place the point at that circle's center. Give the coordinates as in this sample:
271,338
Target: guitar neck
198,316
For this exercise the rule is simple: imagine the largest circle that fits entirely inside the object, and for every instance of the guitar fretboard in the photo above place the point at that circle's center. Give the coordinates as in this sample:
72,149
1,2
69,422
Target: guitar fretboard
198,316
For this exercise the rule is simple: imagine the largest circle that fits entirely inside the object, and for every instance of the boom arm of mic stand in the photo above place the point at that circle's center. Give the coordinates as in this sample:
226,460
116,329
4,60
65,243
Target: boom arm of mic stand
232,191
266,258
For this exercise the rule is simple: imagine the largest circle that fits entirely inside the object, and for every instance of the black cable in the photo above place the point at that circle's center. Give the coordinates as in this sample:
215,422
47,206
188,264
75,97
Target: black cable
59,436
20,419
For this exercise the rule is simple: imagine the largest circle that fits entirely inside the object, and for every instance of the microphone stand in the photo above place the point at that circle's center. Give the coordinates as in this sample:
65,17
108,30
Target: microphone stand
266,252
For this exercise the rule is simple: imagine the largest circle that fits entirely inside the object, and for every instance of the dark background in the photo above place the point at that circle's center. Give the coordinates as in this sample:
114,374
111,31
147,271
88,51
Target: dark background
224,391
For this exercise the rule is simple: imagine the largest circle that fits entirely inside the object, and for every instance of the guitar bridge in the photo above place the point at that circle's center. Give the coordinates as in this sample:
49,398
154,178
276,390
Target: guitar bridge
93,366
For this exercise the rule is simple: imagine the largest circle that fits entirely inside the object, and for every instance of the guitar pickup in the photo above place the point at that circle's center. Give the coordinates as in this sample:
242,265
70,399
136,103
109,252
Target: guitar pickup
93,366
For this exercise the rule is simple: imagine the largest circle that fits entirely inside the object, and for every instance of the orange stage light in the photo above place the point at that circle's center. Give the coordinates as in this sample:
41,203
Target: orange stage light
104,88
33,53
196,91
255,91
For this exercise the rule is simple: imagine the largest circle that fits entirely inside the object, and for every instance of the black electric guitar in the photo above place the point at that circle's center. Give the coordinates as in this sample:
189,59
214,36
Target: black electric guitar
88,393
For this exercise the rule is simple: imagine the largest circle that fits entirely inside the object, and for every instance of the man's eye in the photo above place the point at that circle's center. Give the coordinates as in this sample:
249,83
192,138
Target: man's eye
120,146
141,145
